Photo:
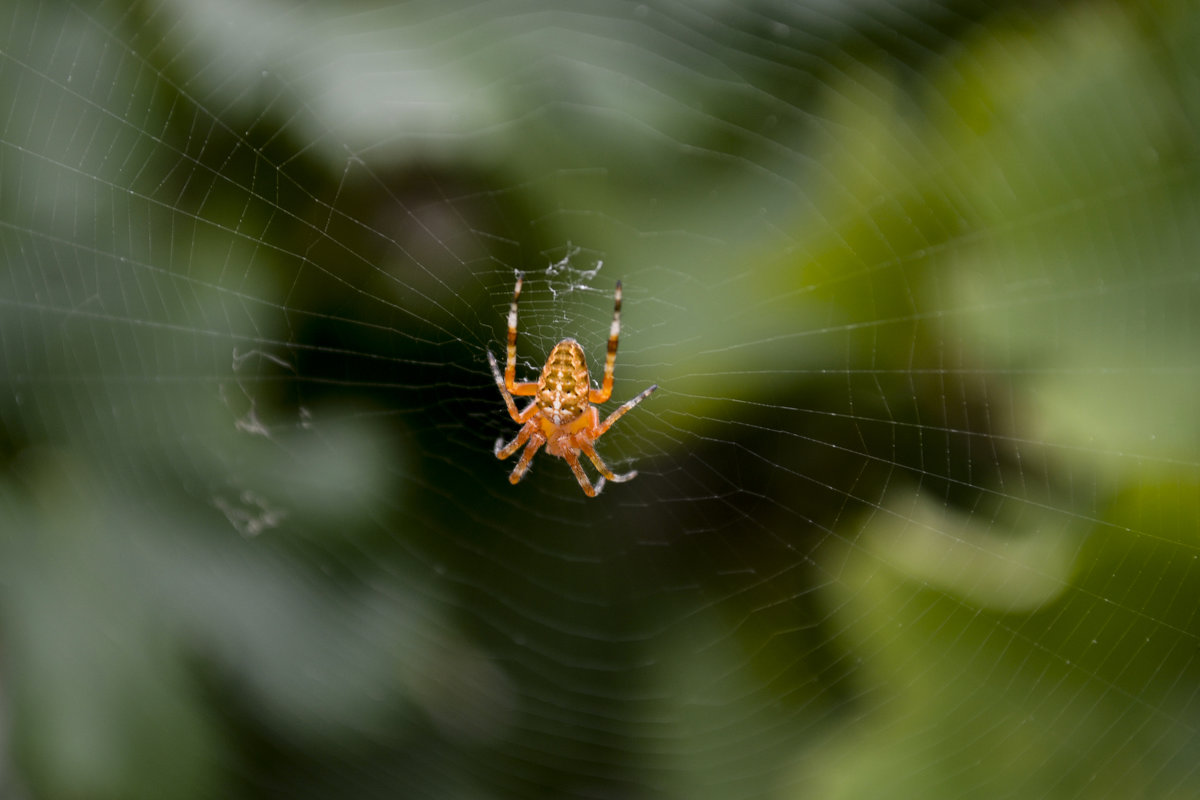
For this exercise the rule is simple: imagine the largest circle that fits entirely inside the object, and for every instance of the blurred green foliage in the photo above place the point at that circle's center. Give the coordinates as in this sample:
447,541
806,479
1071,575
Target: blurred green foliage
918,506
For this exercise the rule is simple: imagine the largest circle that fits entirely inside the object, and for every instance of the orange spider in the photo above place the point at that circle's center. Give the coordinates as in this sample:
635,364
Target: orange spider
561,415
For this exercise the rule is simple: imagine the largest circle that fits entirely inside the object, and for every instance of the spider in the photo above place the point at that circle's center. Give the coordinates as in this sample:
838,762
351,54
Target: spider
561,415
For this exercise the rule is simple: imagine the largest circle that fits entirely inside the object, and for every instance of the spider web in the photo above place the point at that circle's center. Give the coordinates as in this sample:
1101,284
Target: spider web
917,501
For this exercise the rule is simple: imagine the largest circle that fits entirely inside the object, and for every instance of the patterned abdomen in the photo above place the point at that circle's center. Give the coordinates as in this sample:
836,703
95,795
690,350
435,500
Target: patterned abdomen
564,384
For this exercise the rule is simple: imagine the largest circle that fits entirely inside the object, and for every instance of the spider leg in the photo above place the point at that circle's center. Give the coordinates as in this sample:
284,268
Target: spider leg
509,381
536,440
510,363
508,401
518,416
573,462
503,451
591,453
614,333
620,412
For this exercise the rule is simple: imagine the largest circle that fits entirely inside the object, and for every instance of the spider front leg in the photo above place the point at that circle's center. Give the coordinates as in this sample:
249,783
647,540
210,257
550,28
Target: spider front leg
503,451
536,440
581,476
603,468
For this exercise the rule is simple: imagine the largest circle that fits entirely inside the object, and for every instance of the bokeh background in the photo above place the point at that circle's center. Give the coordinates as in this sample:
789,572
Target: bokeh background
918,504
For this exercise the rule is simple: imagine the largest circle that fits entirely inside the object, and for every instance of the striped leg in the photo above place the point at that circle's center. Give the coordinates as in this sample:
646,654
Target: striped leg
620,412
591,453
536,440
503,451
614,333
518,416
525,388
573,462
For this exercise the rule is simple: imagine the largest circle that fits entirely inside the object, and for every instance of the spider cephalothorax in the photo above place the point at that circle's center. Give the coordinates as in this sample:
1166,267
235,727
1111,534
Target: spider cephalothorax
562,415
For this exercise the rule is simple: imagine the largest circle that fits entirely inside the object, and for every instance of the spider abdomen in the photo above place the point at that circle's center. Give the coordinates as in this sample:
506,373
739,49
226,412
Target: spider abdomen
564,384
